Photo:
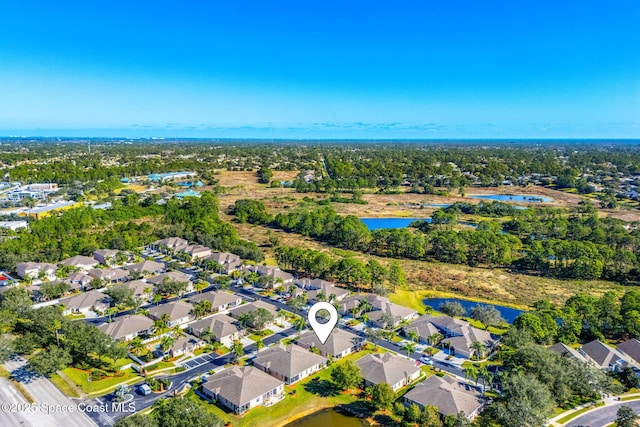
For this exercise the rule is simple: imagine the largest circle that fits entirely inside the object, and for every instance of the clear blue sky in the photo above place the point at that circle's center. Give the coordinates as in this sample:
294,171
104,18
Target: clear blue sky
321,69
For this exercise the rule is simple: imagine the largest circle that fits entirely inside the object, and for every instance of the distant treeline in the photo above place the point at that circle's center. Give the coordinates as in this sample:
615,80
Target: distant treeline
569,243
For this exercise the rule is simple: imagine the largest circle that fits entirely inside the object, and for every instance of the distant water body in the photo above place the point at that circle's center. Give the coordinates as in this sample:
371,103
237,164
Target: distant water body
512,198
509,314
327,418
377,223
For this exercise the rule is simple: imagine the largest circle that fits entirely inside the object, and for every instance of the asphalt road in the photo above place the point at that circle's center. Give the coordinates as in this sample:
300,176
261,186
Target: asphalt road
51,408
181,379
602,416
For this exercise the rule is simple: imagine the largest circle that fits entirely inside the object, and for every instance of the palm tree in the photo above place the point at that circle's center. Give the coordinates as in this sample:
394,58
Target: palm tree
471,372
238,350
167,342
364,318
137,347
299,323
206,335
434,339
110,312
162,324
244,319
321,296
260,345
409,347
487,377
364,306
478,348
354,312
413,336
200,285
156,299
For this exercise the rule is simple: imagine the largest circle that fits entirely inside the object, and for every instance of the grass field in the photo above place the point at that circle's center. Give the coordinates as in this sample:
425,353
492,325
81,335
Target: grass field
81,379
572,415
64,386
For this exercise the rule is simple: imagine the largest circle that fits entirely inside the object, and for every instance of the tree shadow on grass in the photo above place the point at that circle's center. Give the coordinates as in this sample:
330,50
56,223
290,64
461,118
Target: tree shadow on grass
385,420
358,409
323,388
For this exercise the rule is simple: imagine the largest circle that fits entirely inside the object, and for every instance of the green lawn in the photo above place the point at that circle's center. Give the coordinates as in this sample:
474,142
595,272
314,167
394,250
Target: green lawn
81,379
307,397
572,415
63,386
256,336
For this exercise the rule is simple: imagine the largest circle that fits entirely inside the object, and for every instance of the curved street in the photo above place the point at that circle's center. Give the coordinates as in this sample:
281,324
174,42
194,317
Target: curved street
602,416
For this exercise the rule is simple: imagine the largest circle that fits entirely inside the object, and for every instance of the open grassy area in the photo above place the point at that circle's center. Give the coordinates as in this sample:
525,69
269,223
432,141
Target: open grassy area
81,379
308,395
64,386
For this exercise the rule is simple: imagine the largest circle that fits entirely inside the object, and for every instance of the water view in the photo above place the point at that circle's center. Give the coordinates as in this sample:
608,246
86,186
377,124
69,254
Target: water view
328,417
512,198
376,223
509,314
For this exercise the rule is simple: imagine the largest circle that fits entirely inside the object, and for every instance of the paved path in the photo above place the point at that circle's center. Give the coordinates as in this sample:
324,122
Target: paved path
603,416
50,403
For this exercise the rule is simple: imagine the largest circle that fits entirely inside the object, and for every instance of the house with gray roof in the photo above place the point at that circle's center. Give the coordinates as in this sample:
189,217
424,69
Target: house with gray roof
603,356
78,280
631,348
277,276
79,261
253,306
33,270
220,300
170,243
389,368
85,302
448,394
179,312
382,311
126,328
314,287
339,344
459,335
142,290
146,268
172,276
195,251
225,329
185,345
241,388
229,262
289,363
110,275
105,256
565,351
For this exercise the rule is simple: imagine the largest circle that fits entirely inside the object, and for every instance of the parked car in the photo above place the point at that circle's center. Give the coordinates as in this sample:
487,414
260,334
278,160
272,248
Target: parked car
144,389
426,360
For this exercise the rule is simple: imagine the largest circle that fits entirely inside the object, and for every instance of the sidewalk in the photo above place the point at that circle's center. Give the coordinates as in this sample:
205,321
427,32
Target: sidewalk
611,400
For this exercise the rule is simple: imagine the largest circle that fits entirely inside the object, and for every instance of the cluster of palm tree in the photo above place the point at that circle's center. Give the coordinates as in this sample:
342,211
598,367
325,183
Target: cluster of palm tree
472,372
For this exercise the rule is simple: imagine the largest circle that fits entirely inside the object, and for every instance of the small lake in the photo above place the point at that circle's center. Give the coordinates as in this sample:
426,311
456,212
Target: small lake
376,223
327,418
512,198
509,314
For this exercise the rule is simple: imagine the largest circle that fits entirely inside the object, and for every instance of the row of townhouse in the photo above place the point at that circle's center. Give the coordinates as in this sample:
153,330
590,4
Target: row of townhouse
604,356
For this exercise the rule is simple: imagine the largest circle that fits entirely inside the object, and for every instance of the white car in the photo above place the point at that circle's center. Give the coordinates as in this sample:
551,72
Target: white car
426,360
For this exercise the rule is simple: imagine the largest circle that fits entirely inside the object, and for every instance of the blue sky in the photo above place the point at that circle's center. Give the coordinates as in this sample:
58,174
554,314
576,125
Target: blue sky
326,69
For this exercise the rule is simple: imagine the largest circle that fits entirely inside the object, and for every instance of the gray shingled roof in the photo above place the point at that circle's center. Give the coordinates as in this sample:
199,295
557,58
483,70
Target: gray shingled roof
446,393
566,351
386,368
287,360
216,298
220,325
126,325
246,308
175,310
631,348
241,385
338,341
148,266
602,354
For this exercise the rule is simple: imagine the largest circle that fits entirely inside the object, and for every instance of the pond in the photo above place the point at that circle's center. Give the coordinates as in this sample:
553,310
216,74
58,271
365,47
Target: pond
376,223
327,418
512,198
509,314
